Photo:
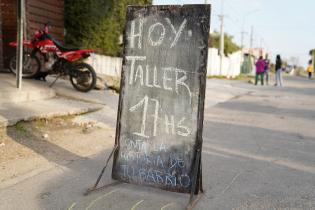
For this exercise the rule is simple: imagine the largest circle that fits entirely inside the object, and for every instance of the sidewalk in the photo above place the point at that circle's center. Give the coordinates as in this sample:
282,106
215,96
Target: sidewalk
35,101
31,90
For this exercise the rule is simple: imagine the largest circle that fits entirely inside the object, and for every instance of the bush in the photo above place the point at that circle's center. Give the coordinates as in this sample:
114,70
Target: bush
97,24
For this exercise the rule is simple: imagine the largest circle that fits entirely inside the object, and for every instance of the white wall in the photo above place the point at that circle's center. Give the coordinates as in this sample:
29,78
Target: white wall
111,66
106,65
231,65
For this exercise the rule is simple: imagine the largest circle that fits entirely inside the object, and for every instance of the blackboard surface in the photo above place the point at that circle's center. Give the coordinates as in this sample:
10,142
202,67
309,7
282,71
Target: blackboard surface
160,117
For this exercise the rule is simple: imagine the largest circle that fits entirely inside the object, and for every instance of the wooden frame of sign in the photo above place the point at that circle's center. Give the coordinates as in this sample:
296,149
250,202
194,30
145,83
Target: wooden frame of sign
160,115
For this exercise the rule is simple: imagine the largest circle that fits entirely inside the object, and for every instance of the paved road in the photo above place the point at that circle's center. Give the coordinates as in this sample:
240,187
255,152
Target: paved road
258,154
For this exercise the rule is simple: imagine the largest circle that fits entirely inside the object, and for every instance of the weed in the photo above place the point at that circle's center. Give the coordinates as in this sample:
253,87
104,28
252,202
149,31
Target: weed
243,77
20,128
41,123
217,77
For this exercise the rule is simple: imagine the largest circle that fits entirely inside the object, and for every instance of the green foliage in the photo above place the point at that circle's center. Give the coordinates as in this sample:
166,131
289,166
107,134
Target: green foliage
229,45
20,128
242,77
312,54
97,24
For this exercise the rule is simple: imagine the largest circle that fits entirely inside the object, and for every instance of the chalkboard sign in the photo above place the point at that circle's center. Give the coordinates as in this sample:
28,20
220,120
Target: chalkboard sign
160,117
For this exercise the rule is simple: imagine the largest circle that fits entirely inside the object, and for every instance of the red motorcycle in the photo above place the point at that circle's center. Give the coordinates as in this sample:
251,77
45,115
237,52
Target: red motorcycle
44,55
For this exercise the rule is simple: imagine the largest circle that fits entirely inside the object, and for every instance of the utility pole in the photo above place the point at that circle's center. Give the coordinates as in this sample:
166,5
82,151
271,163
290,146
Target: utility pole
221,18
19,49
251,42
242,44
242,38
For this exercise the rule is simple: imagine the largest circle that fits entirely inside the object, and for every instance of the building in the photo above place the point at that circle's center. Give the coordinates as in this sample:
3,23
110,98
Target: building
37,12
1,46
256,52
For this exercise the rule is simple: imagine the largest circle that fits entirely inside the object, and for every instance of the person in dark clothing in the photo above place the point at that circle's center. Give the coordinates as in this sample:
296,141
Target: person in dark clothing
267,69
278,71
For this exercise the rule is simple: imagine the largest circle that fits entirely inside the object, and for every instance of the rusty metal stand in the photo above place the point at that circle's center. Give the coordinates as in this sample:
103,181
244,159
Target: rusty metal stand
196,189
94,188
55,80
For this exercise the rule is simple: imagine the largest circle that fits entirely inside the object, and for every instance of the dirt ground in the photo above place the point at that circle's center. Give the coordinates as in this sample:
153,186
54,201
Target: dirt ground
32,147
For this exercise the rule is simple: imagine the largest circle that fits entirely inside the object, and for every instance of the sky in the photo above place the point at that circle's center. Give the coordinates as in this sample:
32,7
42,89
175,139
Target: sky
285,27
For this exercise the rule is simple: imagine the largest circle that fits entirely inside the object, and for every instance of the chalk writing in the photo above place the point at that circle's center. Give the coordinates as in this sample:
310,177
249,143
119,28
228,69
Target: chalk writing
169,120
161,38
177,33
178,77
134,35
155,176
164,64
156,28
143,102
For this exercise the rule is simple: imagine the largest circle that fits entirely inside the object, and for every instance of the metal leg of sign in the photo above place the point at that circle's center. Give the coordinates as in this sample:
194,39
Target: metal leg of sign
201,187
197,189
94,188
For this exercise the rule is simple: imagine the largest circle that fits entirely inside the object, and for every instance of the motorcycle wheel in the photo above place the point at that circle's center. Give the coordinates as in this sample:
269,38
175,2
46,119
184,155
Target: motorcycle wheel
31,65
83,77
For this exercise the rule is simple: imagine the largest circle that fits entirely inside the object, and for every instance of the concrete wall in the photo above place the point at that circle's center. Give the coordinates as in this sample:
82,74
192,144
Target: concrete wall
111,66
231,64
106,65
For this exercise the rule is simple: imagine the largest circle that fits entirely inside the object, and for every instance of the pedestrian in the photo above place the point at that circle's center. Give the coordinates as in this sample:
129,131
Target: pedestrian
260,70
278,71
310,69
267,68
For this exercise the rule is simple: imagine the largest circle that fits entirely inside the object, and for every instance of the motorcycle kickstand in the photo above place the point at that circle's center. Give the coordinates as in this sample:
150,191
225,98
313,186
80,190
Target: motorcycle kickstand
55,80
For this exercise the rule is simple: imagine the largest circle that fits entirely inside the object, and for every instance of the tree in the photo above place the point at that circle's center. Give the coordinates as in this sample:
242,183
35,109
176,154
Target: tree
97,24
229,45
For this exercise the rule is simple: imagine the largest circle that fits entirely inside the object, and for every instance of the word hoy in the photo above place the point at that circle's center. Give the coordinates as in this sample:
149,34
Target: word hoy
156,33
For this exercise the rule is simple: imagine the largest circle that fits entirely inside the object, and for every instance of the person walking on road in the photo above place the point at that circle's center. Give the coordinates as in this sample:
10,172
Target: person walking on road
278,71
267,68
310,69
260,70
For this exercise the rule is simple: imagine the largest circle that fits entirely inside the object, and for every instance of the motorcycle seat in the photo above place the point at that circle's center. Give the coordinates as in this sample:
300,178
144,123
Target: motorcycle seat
64,48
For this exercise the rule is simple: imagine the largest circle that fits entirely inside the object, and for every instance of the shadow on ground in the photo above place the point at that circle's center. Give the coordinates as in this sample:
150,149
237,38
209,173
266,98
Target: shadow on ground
39,144
238,174
83,174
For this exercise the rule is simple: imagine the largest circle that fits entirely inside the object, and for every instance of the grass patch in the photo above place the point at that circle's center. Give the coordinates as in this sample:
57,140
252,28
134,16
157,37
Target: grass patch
20,128
301,73
217,77
242,77
41,123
